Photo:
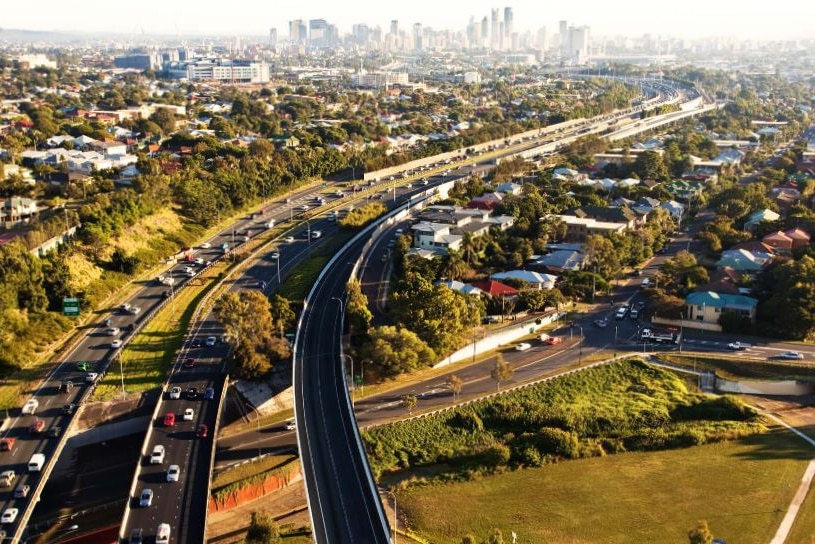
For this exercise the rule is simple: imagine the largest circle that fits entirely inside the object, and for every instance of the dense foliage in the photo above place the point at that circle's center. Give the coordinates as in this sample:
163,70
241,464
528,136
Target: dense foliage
622,406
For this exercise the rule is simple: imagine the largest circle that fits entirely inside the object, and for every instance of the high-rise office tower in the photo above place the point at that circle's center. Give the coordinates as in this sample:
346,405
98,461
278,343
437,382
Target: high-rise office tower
494,29
272,37
507,23
417,36
298,33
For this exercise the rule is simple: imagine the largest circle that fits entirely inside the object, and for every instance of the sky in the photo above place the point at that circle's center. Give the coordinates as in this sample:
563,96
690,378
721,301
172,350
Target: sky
746,19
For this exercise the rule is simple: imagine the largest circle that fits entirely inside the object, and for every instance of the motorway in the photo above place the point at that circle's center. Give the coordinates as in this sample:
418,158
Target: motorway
95,349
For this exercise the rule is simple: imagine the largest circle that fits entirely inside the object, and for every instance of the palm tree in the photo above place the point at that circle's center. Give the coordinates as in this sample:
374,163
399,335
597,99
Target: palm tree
453,266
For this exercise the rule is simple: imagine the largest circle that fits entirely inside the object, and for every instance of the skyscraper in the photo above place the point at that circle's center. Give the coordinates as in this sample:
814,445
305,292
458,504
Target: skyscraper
563,27
417,36
272,37
507,24
298,33
494,29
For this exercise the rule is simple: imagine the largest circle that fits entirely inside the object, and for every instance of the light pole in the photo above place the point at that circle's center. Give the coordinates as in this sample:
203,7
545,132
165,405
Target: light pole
308,233
395,519
579,342
681,329
362,376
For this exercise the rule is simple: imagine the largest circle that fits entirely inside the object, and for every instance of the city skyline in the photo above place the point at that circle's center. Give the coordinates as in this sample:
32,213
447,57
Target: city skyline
789,19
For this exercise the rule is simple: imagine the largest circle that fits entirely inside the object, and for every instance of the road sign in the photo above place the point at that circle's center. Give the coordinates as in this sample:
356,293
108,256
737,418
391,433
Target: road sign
70,306
358,379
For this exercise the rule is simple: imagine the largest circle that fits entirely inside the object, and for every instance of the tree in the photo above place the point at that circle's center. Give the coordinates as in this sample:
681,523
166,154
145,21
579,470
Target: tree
700,534
649,165
263,529
409,402
395,351
282,313
359,315
455,384
501,371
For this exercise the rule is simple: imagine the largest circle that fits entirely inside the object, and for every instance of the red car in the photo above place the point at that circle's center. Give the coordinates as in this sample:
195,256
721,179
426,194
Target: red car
202,431
189,363
169,419
552,340
37,426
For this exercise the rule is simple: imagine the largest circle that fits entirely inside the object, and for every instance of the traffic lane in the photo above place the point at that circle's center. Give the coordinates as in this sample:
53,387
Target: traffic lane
344,507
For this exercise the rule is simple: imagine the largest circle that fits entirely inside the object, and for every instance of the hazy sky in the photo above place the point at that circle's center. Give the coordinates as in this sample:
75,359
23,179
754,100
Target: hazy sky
779,19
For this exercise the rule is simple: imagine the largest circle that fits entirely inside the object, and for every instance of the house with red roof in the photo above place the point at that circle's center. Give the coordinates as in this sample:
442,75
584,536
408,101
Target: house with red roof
495,289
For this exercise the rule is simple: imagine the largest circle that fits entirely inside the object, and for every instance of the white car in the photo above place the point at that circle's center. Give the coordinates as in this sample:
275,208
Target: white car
157,455
210,341
116,344
189,414
90,377
9,515
113,331
289,239
175,393
795,355
199,260
146,498
205,245
290,425
173,473
523,346
738,346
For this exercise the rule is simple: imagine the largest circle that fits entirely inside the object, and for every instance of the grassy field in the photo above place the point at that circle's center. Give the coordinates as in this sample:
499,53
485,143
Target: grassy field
742,488
735,367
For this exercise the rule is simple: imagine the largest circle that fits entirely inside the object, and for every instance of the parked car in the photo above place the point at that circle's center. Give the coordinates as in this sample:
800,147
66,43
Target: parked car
523,346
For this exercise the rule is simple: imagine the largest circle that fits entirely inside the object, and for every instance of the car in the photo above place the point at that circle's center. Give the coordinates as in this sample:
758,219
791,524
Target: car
601,322
199,260
116,344
189,414
192,393
136,536
55,432
738,346
211,340
209,393
134,310
424,181
9,515
640,305
22,491
36,427
7,478
304,207
289,239
205,245
523,346
189,269
175,392
189,362
157,455
146,498
316,233
553,340
792,355
196,343
90,377
169,419
173,473
7,444
290,425
83,366
163,534
30,406
274,255
202,432
69,409
112,331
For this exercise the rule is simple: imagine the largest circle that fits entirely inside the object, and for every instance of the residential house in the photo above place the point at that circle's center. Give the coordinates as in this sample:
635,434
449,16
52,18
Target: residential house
674,209
780,242
579,228
487,201
743,261
800,237
109,148
723,281
462,287
495,289
559,260
509,188
707,306
758,217
16,210
534,279
444,227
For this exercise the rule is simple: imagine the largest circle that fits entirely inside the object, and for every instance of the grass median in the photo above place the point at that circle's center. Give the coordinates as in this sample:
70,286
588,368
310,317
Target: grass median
148,357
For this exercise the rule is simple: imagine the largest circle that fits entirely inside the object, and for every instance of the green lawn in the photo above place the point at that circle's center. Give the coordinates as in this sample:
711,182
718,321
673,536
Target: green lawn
741,488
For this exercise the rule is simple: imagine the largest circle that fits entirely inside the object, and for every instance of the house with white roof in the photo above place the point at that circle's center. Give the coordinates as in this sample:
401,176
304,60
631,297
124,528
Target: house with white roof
758,217
462,287
534,279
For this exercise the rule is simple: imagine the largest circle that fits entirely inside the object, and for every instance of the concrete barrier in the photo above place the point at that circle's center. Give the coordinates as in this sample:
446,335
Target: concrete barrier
778,388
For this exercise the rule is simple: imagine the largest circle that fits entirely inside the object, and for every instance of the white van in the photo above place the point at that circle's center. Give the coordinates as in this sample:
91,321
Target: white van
163,534
36,463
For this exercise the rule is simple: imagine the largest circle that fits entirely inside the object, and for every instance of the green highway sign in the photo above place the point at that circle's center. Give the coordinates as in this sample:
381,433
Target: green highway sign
70,306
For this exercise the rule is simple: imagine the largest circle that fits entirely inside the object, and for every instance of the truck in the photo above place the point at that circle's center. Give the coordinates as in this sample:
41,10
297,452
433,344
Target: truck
36,462
660,336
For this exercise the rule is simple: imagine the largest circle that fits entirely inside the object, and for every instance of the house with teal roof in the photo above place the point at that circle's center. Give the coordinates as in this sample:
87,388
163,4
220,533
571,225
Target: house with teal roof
707,306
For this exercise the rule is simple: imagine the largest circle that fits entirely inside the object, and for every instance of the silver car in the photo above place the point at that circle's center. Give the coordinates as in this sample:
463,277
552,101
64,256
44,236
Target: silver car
146,498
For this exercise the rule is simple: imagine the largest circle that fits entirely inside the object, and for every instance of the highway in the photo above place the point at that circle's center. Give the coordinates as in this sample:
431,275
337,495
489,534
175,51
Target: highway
95,349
